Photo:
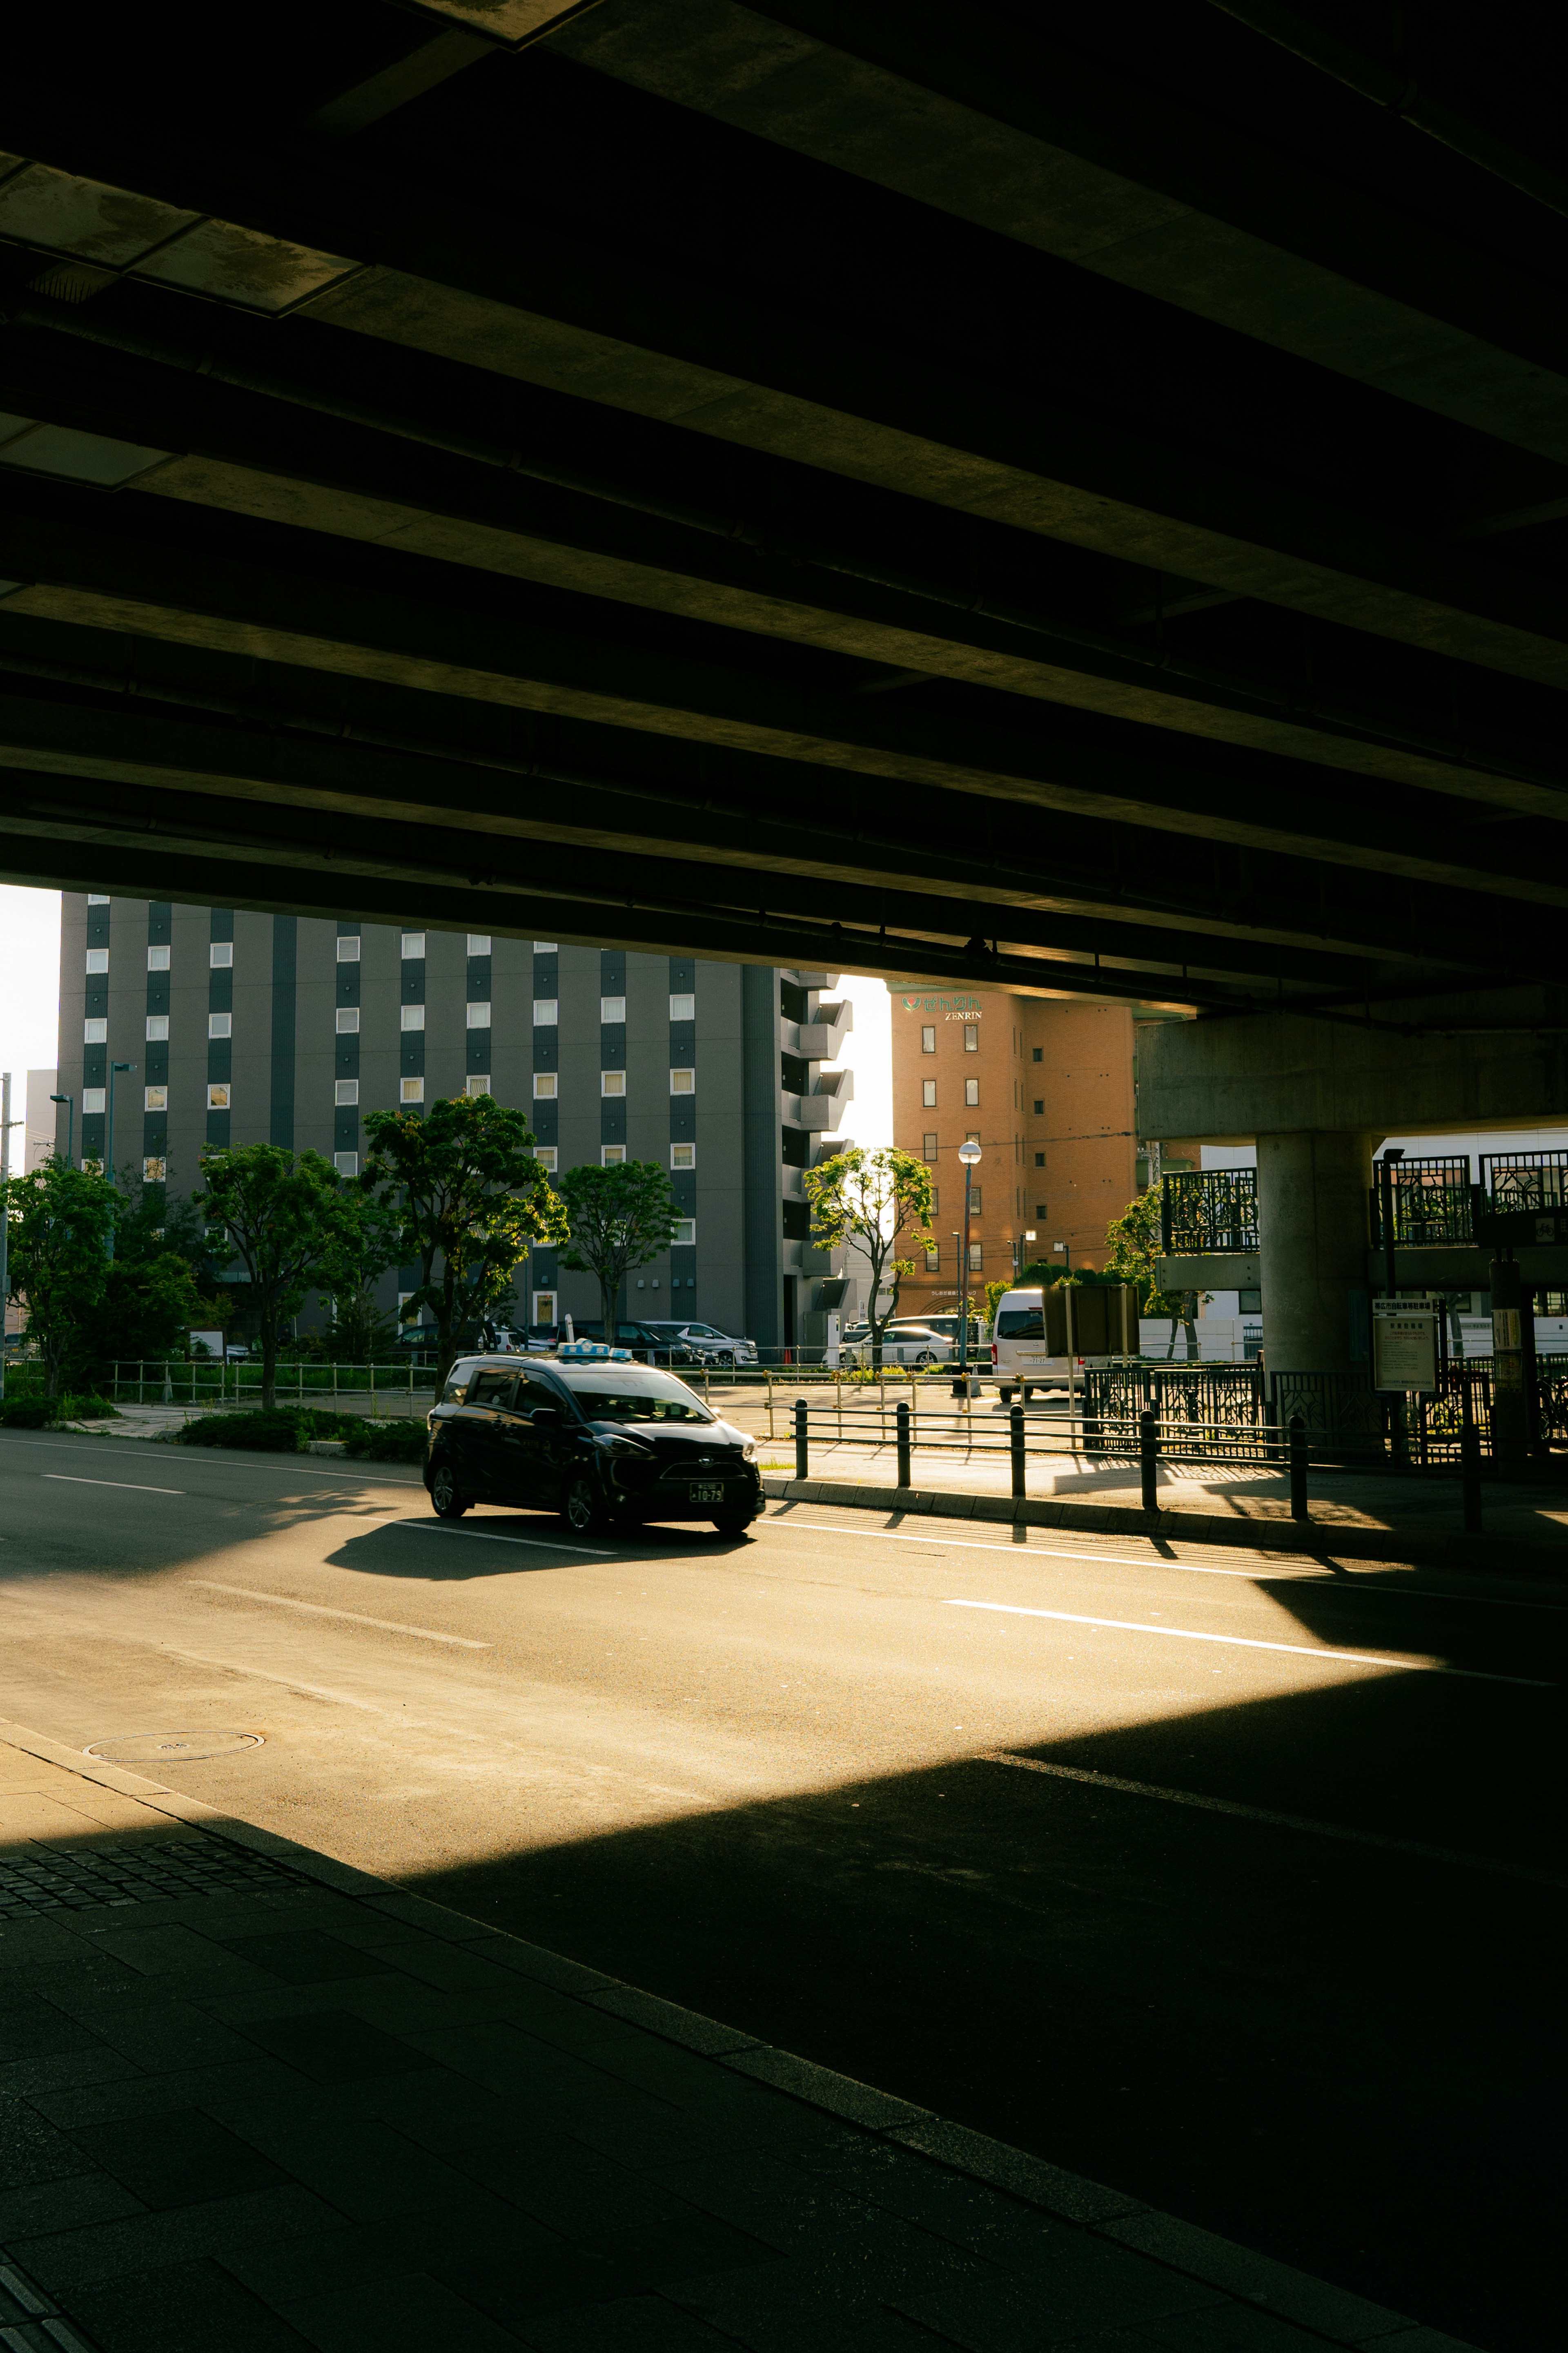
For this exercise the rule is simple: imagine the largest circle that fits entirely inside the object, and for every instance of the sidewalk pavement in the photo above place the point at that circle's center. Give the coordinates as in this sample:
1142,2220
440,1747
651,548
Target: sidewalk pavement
253,2099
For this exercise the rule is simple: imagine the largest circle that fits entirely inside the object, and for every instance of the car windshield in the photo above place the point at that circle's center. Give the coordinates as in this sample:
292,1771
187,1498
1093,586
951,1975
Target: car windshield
702,1332
621,1394
1020,1323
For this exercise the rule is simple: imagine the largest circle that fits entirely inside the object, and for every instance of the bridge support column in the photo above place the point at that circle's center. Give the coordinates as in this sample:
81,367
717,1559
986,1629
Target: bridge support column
1312,1241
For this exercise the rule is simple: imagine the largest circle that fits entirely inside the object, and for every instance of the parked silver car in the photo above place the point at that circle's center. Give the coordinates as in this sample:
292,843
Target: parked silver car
708,1345
902,1344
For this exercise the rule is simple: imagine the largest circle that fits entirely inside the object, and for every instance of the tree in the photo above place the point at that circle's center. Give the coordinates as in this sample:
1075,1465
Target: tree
287,1219
464,1196
1134,1240
147,1308
865,1200
61,1219
361,1332
619,1217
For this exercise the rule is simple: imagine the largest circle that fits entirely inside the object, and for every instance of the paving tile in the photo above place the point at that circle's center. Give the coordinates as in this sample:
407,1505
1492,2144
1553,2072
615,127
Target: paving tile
1091,2289
544,1967
969,2213
332,2046
182,2308
26,2079
640,2323
64,2262
64,2205
437,1963
411,2314
567,2188
687,2027
862,2103
775,2202
286,2273
33,2028
32,2149
178,2158
1235,2328
419,1912
75,2108
1058,2191
364,2168
499,2055
176,1950
1317,2303
163,2034
301,1956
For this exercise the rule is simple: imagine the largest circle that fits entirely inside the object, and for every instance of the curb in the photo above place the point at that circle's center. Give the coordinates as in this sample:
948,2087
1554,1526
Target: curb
1316,1537
1334,2316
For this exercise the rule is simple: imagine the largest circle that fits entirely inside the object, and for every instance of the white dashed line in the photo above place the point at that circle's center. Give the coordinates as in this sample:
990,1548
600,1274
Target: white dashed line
320,1610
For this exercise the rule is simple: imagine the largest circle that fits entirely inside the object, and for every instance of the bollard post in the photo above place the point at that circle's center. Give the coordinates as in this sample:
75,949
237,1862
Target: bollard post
906,1477
1298,1469
1015,1434
802,1461
1148,1460
1470,1472
771,1432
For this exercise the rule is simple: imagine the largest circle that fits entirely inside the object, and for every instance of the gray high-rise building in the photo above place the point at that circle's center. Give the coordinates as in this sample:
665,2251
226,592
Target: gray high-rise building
196,1028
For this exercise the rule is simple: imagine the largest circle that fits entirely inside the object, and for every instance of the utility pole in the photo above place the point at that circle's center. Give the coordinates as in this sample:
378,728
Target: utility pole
969,1152
5,1213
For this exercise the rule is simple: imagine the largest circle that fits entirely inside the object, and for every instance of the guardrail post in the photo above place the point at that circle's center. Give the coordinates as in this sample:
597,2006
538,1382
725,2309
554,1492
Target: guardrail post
769,1370
1015,1435
906,1477
802,1450
1298,1468
1148,1460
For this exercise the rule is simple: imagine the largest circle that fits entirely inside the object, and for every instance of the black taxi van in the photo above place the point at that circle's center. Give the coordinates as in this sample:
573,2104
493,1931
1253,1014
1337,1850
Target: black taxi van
591,1434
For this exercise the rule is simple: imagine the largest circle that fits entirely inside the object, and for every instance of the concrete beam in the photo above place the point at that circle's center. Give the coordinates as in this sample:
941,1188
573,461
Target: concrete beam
1218,1270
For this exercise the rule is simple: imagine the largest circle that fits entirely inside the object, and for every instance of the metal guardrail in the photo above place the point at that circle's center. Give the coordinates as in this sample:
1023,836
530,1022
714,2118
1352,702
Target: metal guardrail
212,1383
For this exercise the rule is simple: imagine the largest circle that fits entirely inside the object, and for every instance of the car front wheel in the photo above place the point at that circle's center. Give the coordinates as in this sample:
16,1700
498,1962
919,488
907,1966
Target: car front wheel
444,1495
581,1506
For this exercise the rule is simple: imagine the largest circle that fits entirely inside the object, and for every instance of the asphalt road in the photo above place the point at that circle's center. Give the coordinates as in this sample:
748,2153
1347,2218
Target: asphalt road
769,1779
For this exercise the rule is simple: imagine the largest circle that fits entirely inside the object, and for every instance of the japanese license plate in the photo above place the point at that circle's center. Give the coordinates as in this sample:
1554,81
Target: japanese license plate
706,1491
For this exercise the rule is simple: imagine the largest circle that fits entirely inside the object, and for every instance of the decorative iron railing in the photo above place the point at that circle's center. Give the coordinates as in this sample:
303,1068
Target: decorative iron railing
1431,1201
1525,1180
1209,1211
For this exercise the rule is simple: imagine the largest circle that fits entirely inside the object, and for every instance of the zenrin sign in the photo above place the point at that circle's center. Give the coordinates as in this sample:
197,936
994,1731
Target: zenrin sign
952,1009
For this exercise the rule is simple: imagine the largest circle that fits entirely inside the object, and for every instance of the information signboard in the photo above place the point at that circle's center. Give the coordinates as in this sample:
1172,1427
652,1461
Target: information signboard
1405,1349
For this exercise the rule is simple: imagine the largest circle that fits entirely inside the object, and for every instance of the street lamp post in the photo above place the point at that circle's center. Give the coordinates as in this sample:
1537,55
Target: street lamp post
5,1213
969,1152
114,1069
69,1102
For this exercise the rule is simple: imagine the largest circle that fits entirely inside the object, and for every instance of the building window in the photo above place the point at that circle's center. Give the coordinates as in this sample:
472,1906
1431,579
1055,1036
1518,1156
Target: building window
928,1147
410,1091
478,1082
95,1031
936,1200
97,958
611,1154
1039,1107
220,955
348,952
154,1171
157,959
682,1082
411,1017
1042,1211
546,1155
928,1094
927,1039
348,1020
612,1008
220,1097
546,1012
345,1091
1038,1055
971,1039
220,1025
685,1234
413,945
683,1009
972,1135
93,1099
544,1086
934,1261
155,1098
612,1083
976,1256
544,947
479,943
94,899
975,1192
972,1091
346,1163
479,1015
157,1029
683,1156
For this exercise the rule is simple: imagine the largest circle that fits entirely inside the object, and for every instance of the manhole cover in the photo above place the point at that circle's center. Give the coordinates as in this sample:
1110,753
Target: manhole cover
170,1748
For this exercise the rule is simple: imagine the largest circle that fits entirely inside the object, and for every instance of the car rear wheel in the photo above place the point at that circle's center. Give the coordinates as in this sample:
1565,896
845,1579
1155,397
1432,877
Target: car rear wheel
1007,1396
926,1356
581,1506
732,1524
449,1503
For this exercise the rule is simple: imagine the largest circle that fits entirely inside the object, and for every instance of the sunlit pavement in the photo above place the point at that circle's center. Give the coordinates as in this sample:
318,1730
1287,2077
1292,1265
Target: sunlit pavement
1273,1957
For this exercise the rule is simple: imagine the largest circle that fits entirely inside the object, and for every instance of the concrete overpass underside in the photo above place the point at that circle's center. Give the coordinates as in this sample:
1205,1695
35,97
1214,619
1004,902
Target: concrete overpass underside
1081,502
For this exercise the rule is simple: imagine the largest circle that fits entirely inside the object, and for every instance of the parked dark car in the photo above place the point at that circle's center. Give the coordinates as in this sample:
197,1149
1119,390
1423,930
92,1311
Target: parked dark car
598,1442
651,1344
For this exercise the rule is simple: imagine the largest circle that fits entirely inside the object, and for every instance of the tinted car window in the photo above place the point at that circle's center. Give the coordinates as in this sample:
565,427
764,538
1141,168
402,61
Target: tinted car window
1021,1323
619,1393
461,1374
492,1388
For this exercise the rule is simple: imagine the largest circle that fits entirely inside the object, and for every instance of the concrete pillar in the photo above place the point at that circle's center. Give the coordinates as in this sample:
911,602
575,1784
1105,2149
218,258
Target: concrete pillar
1312,1242
1511,1404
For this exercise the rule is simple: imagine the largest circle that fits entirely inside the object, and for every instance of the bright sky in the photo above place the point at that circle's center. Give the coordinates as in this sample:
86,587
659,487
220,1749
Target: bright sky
29,989
869,1052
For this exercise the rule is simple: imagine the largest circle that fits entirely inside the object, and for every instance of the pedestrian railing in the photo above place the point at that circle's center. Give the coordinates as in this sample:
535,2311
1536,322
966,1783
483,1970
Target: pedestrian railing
213,1384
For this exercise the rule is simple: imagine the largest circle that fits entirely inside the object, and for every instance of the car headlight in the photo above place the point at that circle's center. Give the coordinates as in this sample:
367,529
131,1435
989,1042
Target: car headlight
624,1446
749,1451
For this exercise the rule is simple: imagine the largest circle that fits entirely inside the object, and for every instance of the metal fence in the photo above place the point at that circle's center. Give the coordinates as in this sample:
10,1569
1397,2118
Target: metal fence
1525,1180
210,1384
1209,1209
1431,1200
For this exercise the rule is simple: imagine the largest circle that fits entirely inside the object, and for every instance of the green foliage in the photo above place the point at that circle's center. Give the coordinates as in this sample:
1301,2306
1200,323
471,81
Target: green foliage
389,1441
619,1217
463,1197
276,1430
866,1199
1135,1239
148,1306
994,1292
26,1413
290,1223
61,1221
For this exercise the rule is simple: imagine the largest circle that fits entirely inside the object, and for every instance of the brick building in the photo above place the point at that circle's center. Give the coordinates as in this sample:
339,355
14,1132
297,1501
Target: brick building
1047,1085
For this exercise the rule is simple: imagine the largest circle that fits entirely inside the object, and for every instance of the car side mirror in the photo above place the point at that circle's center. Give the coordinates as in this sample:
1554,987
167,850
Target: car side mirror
544,1415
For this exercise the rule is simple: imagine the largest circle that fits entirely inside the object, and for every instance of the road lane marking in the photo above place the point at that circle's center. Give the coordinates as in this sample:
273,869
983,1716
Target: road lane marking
1251,1643
320,1610
68,1480
1313,1575
1280,1821
478,1535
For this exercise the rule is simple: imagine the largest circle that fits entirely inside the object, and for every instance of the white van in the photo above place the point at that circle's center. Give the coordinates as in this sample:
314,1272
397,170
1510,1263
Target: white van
1019,1357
